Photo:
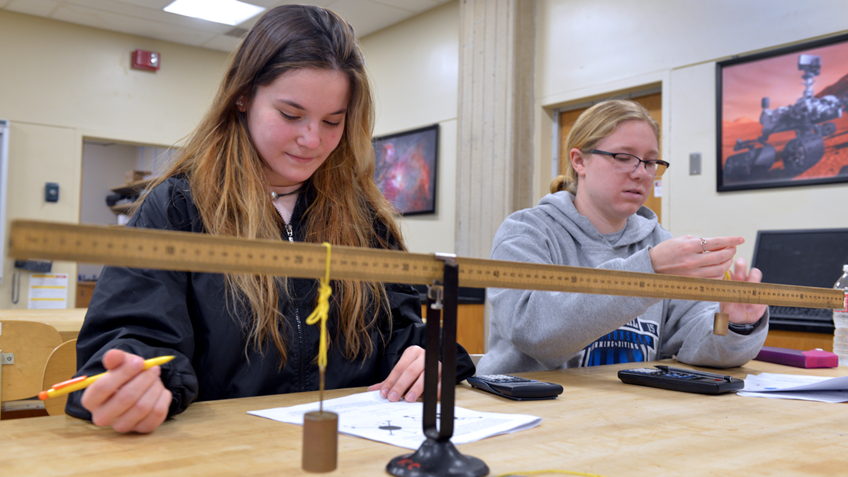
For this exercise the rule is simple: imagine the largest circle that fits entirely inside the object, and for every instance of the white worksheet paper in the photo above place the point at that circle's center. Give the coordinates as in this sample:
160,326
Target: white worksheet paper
370,416
791,386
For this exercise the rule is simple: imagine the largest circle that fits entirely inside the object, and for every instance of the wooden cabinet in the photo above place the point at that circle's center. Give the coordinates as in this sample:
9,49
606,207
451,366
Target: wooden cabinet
470,326
84,291
799,340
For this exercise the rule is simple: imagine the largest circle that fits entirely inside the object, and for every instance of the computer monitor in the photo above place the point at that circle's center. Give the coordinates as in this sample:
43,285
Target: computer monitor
810,258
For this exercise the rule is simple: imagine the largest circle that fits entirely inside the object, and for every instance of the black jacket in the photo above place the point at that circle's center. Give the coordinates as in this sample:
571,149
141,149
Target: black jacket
155,312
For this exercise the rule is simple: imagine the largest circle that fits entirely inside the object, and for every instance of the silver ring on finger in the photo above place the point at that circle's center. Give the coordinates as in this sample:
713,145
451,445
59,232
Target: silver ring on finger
704,245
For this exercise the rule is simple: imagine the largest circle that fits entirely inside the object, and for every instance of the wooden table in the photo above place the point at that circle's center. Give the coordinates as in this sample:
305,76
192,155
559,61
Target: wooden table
66,321
598,426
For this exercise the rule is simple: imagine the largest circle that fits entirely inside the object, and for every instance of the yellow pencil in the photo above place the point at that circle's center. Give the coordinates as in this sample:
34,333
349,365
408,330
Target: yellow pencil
82,382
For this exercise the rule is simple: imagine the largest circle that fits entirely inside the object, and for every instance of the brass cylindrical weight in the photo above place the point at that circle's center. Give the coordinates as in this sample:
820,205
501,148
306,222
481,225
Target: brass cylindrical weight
320,441
720,324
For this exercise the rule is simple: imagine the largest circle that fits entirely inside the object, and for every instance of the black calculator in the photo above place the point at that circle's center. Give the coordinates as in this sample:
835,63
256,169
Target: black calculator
686,380
513,387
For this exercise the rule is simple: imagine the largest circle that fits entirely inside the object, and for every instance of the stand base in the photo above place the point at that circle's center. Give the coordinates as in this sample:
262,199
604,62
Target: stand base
437,459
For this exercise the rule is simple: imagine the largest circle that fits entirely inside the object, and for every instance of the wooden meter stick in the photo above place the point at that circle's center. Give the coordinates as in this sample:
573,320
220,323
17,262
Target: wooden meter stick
186,251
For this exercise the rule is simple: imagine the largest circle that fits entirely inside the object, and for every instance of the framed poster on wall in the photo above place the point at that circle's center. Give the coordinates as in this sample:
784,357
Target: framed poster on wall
781,117
406,169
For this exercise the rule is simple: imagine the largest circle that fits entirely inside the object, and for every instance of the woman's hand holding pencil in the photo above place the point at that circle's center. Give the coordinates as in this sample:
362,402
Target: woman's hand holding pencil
82,382
130,396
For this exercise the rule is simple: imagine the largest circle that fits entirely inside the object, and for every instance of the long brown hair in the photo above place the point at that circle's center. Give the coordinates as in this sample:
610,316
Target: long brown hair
591,127
230,188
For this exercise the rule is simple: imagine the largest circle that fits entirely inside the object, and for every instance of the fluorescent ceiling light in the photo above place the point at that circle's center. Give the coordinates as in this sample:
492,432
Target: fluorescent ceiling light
230,12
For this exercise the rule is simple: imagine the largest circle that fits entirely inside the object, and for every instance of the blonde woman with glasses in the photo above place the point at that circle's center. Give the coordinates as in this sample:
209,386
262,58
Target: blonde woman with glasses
595,217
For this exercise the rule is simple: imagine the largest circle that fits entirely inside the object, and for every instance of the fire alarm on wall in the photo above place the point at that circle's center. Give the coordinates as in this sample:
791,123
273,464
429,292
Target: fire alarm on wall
145,60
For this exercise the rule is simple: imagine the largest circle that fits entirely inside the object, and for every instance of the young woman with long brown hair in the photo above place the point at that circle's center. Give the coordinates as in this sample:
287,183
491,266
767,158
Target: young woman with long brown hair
284,153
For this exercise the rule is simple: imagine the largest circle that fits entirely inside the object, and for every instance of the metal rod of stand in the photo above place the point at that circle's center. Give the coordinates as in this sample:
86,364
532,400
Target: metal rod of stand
431,362
450,300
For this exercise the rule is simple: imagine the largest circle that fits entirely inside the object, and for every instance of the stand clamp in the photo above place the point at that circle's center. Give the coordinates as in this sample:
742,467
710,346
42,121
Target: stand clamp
437,456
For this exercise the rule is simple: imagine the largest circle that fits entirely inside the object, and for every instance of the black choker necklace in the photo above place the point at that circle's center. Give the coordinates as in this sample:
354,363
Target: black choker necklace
275,196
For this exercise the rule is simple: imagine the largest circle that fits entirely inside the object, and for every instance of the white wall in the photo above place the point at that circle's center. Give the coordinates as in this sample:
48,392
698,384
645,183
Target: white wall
594,48
61,83
414,68
73,82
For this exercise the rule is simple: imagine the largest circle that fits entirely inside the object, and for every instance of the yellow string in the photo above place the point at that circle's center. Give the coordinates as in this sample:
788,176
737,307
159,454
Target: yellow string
321,312
548,471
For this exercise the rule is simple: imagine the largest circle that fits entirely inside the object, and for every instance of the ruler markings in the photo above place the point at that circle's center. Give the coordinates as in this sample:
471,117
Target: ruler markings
146,248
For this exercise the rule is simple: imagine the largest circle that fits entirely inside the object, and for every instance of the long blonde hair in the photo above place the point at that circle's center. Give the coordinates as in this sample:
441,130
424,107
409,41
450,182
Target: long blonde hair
230,188
591,127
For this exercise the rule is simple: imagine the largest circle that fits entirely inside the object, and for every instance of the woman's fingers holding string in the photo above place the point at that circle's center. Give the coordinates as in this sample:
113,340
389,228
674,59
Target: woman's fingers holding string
717,266
716,255
695,256
715,244
739,272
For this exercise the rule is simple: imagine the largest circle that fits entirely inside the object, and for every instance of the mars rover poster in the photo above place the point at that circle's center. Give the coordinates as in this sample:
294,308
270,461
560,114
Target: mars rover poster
783,117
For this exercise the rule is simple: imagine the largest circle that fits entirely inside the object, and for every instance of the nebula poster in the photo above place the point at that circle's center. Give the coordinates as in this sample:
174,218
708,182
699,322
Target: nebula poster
406,169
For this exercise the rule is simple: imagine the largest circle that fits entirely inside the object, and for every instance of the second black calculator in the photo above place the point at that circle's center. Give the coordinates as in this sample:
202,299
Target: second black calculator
513,387
677,379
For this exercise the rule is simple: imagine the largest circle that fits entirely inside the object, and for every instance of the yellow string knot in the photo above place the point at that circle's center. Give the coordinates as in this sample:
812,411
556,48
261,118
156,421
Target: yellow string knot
321,312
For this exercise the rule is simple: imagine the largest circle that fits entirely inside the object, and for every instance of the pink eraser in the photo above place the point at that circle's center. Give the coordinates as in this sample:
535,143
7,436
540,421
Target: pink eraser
801,359
817,358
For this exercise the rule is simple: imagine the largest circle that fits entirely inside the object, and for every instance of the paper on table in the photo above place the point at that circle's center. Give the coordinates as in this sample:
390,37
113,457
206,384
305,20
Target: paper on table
791,386
399,423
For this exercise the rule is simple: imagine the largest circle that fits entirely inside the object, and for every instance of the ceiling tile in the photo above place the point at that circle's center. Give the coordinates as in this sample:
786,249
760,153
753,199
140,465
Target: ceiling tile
273,3
417,6
222,43
367,17
159,16
132,26
40,8
152,4
146,17
269,4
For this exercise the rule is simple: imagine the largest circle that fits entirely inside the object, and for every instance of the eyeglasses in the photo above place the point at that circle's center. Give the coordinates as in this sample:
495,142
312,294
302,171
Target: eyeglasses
629,163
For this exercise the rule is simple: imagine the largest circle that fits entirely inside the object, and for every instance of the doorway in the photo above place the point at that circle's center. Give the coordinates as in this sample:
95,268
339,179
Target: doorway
113,174
651,102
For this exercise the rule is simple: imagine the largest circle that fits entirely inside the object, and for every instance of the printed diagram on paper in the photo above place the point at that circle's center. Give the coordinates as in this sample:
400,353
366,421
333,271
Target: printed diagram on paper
370,416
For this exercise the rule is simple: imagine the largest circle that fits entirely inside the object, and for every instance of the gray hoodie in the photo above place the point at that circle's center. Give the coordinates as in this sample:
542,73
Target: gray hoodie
538,330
